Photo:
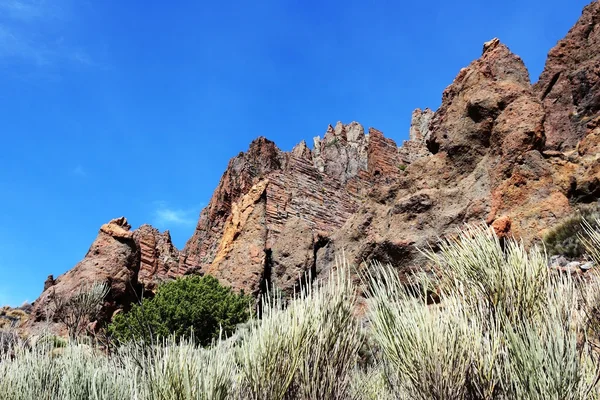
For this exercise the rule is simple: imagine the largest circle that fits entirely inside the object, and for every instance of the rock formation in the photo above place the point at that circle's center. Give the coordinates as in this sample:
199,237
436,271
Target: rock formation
497,150
569,87
126,260
415,147
268,202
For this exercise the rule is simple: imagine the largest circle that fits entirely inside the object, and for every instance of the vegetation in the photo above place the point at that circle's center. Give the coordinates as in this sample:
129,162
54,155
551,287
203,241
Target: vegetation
77,310
194,305
565,237
506,327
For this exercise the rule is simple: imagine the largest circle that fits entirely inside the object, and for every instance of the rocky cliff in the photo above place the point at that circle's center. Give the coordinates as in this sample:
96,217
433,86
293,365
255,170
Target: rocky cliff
499,150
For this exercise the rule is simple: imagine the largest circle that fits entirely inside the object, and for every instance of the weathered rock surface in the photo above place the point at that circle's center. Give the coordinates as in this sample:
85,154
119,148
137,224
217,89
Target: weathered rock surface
415,147
118,257
159,259
245,234
497,150
569,87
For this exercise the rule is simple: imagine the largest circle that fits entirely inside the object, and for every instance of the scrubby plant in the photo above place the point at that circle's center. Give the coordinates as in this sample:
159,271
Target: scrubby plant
75,310
505,327
312,357
306,350
182,370
565,237
52,341
190,305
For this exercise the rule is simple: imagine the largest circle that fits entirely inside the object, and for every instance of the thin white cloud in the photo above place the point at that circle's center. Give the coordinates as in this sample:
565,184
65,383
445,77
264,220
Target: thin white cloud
79,171
22,10
15,47
167,216
36,32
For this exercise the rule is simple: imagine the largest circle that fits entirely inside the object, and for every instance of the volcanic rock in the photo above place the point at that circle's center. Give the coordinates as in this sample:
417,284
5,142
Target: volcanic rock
498,150
159,259
121,258
569,87
269,201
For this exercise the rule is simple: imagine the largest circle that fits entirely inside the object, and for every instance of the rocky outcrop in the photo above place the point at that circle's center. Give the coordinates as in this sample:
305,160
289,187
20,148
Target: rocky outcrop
478,158
415,147
569,87
159,259
244,235
497,150
123,259
485,165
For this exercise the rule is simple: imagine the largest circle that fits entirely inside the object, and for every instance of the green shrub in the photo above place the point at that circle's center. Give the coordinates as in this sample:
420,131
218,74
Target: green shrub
565,237
198,306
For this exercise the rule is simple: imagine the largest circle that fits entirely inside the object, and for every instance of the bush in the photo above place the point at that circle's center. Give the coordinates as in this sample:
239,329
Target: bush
78,309
506,327
565,237
307,350
190,305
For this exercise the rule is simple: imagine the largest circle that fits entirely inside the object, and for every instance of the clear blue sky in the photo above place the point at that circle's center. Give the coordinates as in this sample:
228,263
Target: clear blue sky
134,108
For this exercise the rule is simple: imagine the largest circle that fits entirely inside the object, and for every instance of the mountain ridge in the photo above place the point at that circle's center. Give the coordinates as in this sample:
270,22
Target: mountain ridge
499,149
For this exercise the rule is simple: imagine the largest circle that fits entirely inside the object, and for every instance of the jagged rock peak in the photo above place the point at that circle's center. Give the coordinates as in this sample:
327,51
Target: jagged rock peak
342,152
353,132
491,45
159,259
113,258
301,150
419,125
415,148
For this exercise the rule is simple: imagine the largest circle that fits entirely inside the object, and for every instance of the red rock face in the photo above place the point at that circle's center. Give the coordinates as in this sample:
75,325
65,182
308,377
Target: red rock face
497,150
112,259
159,259
243,234
569,87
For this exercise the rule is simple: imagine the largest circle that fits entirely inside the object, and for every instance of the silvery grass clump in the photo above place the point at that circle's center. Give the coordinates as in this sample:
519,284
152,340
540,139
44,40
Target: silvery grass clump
306,350
506,327
74,373
180,370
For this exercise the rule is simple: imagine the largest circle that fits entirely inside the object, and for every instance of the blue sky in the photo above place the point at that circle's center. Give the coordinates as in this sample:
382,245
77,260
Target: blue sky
134,108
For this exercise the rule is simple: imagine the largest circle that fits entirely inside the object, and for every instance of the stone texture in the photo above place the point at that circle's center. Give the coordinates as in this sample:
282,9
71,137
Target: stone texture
159,259
497,150
569,86
240,258
292,255
111,259
415,147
